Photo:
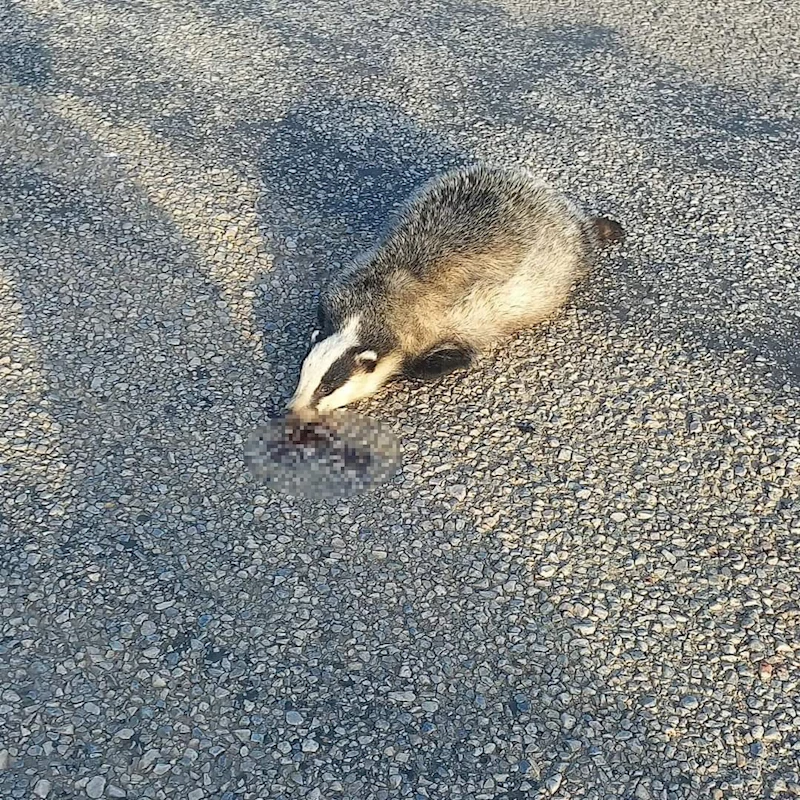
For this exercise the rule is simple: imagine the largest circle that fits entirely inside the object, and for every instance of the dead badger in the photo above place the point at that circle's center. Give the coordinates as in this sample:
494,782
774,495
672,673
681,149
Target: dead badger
476,255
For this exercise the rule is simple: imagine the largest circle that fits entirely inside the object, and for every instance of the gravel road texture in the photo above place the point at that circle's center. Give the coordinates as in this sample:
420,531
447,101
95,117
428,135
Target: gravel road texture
585,583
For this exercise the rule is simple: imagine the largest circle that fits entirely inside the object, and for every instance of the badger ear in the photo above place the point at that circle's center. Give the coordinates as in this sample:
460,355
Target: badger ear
368,359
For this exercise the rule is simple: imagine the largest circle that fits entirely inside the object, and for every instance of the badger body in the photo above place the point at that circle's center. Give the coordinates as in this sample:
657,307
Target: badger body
474,256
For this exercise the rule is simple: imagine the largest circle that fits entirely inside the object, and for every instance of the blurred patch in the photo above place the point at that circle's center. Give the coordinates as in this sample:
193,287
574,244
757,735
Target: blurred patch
338,455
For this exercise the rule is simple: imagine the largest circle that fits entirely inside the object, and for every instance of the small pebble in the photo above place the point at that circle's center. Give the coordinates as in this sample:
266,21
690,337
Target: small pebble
553,783
458,490
96,786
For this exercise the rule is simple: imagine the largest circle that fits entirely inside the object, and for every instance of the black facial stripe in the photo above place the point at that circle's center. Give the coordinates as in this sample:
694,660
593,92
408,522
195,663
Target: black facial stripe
338,374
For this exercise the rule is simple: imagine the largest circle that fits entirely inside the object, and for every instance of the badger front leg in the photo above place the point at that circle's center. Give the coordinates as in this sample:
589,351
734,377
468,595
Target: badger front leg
439,361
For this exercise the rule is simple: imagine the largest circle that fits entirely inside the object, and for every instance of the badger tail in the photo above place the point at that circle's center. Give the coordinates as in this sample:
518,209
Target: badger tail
608,231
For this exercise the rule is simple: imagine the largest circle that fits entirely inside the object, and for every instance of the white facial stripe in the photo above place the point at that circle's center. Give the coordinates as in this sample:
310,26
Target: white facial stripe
319,360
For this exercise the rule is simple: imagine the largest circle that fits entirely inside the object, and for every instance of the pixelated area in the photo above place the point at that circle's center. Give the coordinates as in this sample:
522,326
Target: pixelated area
339,455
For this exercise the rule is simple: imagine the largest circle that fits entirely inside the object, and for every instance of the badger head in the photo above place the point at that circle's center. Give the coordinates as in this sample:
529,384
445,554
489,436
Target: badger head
345,363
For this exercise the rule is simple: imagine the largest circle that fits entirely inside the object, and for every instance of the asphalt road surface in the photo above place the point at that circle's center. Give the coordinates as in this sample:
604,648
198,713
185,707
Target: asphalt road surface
585,583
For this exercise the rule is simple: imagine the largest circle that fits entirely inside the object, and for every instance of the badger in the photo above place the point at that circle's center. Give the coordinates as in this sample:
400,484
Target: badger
475,255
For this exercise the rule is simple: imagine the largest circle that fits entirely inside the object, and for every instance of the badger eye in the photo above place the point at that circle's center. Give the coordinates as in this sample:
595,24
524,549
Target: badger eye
315,336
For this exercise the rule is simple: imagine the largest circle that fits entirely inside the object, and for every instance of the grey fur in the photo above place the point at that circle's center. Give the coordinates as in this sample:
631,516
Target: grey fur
475,255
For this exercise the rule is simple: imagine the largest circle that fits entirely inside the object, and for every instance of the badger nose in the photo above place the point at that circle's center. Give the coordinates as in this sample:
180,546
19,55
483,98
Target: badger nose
301,410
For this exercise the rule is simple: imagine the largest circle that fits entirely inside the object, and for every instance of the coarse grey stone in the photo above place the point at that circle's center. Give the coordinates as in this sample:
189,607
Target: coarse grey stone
96,786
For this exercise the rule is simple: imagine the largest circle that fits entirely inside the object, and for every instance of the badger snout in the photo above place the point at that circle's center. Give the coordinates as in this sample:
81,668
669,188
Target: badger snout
303,403
295,409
